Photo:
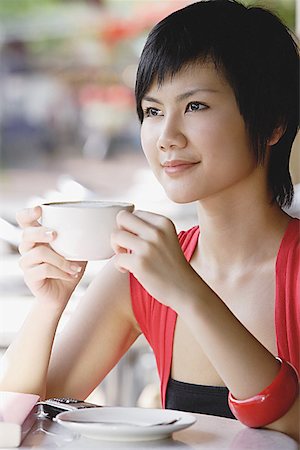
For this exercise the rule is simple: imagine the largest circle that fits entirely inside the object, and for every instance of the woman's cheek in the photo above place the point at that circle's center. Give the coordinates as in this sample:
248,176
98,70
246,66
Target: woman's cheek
145,136
148,142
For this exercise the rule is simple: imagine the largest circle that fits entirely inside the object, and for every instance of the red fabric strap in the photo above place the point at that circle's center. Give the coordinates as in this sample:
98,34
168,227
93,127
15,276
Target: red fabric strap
287,306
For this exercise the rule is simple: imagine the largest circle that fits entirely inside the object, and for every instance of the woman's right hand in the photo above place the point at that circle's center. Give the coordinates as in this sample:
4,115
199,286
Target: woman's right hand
48,275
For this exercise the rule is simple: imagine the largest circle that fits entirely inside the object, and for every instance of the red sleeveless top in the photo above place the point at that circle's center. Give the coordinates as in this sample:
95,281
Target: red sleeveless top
157,321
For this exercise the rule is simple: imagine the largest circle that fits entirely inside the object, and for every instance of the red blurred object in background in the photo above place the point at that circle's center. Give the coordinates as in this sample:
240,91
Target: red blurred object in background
143,19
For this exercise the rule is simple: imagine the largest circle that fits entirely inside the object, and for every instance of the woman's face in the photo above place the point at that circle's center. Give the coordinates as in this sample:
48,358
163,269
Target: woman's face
194,136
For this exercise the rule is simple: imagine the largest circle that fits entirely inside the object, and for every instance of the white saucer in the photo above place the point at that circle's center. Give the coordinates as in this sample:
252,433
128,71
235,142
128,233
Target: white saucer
142,428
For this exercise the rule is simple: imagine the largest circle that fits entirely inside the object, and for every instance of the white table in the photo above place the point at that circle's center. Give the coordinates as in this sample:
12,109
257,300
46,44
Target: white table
209,433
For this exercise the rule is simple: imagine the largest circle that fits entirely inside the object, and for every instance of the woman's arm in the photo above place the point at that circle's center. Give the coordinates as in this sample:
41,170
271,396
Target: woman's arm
156,260
51,280
100,331
96,336
243,363
23,368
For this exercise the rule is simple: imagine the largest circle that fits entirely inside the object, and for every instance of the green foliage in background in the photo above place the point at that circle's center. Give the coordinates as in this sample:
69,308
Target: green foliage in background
285,9
17,8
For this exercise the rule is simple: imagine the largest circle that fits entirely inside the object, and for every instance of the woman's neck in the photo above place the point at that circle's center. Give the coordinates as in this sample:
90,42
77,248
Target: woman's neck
242,233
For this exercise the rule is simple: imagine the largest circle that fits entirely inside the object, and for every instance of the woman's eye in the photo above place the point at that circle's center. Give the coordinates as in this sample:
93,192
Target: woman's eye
195,106
152,112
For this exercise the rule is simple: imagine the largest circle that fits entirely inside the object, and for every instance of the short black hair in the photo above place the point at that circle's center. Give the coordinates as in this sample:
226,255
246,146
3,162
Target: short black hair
258,56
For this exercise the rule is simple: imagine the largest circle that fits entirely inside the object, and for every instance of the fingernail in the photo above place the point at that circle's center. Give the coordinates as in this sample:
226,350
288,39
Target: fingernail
75,269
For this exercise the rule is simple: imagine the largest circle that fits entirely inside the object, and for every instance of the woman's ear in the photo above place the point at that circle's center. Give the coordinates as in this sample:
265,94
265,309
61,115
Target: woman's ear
276,135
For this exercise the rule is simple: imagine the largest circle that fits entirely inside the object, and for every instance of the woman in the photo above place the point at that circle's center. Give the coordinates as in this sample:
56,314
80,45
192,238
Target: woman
216,91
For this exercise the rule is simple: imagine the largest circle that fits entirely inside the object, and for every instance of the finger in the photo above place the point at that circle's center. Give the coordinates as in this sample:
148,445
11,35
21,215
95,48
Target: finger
44,254
136,225
29,216
38,234
148,226
25,247
150,217
123,241
156,220
34,235
124,262
45,271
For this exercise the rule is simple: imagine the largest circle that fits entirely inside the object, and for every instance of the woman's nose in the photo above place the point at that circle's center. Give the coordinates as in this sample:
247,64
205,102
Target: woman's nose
171,137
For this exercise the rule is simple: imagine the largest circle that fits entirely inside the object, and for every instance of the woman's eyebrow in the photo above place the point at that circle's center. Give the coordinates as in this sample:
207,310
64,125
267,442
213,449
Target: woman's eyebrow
147,98
180,97
188,94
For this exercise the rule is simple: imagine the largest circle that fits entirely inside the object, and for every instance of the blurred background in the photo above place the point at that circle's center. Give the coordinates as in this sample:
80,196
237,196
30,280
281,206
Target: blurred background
68,130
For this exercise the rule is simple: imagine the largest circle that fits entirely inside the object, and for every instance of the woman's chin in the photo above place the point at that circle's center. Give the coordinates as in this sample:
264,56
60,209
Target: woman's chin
181,197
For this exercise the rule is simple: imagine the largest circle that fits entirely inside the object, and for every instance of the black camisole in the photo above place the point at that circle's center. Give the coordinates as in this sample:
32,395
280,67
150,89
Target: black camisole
211,400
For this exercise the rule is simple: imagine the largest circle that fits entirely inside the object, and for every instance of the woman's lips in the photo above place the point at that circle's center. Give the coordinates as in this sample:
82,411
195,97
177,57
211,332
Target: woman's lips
177,166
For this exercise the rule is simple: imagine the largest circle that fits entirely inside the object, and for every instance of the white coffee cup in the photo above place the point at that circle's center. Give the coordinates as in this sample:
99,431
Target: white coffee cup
83,227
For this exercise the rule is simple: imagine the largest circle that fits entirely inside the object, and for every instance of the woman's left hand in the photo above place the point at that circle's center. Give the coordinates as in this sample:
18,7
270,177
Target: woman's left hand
146,244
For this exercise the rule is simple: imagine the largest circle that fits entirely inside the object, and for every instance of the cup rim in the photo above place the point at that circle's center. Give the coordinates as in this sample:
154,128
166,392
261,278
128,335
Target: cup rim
74,203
